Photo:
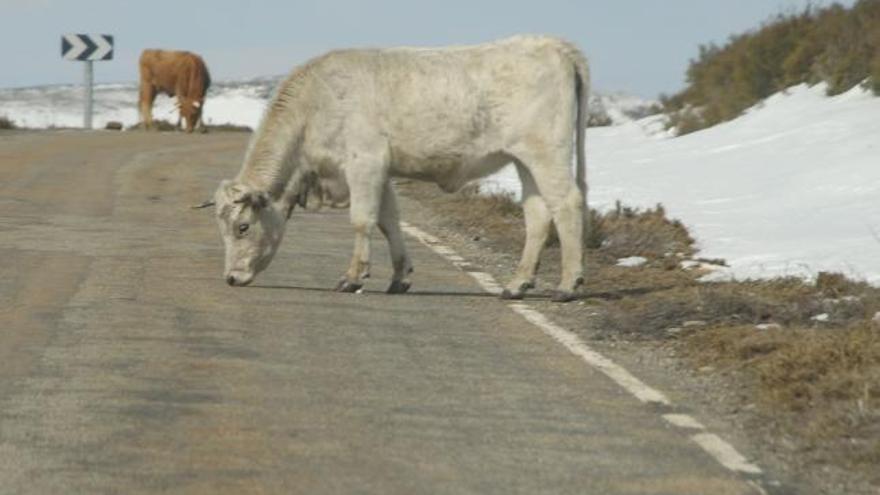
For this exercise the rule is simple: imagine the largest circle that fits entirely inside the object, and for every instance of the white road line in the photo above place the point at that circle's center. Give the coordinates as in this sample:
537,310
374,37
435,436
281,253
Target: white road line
683,421
577,346
723,452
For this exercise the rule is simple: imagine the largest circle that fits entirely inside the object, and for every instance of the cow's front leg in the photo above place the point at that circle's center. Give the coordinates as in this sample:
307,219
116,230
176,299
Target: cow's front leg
389,224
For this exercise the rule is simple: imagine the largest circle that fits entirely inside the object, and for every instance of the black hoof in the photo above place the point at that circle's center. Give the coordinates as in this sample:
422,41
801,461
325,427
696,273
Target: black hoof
562,296
346,286
512,296
397,287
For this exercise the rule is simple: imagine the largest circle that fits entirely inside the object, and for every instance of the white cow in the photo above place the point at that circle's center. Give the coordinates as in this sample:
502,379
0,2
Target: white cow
445,115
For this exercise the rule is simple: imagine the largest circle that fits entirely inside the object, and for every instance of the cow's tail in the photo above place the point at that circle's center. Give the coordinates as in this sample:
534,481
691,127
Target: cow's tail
582,97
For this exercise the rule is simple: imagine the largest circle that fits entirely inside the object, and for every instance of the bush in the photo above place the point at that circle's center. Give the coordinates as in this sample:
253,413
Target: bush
626,231
836,45
6,123
158,125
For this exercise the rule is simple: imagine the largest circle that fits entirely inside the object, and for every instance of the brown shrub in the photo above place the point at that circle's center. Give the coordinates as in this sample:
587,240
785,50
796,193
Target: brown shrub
228,127
7,123
158,125
626,231
819,385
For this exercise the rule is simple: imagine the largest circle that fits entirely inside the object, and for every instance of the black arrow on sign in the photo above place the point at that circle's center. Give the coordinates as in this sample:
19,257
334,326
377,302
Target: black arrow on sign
90,47
65,46
109,39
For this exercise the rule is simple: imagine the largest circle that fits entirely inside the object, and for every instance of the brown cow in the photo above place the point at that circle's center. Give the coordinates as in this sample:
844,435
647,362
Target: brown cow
175,73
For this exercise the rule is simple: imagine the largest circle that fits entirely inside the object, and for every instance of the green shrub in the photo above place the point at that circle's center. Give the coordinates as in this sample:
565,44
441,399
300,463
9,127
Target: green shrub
836,45
6,123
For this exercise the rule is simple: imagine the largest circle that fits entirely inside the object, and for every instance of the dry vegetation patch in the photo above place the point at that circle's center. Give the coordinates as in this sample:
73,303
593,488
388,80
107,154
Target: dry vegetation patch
819,385
162,125
6,123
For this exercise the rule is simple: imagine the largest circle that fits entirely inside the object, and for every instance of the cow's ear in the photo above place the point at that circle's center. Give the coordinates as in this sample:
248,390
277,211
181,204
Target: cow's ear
254,199
259,199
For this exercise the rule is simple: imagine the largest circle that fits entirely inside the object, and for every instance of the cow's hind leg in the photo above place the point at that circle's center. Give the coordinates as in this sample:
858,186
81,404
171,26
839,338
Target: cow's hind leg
566,204
537,219
366,178
389,224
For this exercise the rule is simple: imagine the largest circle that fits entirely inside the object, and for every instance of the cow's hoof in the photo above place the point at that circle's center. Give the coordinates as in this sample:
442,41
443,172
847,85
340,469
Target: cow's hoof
562,296
519,293
398,287
507,295
345,285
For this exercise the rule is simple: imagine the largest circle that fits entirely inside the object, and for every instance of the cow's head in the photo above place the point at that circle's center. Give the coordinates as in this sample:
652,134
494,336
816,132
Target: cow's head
251,226
190,111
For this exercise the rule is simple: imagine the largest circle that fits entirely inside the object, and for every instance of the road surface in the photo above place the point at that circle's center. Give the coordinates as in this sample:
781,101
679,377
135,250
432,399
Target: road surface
127,365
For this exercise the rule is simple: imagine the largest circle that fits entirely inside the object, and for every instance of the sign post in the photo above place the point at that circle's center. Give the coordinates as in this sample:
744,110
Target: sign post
87,48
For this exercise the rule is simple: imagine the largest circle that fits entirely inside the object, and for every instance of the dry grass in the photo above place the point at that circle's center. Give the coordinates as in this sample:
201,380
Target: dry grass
227,127
7,123
166,126
158,125
820,385
627,231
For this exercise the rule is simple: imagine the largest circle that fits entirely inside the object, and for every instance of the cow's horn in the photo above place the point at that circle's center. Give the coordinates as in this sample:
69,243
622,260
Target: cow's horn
203,205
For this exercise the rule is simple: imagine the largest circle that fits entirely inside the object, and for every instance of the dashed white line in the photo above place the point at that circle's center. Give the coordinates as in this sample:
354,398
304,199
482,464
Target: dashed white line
683,421
723,452
577,346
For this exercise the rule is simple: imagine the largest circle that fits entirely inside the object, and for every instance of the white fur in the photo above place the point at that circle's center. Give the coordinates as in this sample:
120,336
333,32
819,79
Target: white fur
446,115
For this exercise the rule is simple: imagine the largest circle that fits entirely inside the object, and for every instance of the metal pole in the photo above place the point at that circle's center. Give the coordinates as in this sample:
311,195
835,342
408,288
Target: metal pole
87,121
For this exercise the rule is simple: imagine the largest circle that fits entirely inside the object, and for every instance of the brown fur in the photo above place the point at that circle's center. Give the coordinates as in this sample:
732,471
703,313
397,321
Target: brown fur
174,73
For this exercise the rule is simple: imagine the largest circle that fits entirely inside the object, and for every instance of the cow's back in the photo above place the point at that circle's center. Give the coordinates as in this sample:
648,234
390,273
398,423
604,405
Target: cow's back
450,102
170,71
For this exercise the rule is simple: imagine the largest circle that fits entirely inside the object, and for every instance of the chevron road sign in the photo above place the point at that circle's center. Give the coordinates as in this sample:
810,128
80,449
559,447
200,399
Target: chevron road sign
87,47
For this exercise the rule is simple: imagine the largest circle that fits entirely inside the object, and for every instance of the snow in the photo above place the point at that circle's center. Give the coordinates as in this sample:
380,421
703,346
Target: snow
62,106
632,261
790,188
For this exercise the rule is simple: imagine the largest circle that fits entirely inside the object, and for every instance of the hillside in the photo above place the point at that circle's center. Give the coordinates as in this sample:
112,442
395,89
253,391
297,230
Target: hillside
835,45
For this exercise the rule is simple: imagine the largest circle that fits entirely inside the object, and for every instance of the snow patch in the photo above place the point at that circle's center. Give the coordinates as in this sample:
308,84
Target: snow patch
632,261
791,188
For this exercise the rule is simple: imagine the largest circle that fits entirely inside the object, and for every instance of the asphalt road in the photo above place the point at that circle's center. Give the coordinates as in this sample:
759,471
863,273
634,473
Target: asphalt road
127,365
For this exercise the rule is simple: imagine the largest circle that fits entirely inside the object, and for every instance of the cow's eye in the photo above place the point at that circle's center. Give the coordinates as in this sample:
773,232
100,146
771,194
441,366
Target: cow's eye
242,228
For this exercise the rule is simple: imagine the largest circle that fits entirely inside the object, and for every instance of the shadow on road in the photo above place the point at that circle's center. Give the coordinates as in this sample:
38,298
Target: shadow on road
378,292
538,296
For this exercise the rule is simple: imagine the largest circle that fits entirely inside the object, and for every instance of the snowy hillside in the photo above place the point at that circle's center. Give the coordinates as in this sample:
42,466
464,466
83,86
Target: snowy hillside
790,188
232,102
62,106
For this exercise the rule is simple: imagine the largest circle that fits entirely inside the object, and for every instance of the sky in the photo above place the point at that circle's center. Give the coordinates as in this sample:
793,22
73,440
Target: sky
640,47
